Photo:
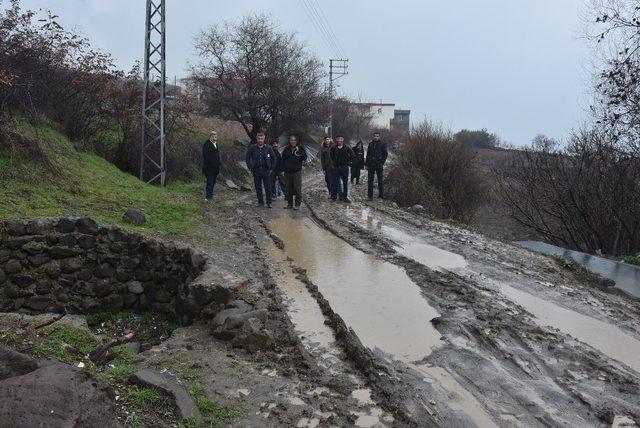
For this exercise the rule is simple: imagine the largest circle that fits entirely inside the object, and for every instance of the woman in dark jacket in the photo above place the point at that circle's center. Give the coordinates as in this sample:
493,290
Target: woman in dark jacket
358,165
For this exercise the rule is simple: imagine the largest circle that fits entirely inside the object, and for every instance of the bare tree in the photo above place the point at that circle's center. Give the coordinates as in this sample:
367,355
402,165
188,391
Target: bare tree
615,31
584,196
351,119
260,77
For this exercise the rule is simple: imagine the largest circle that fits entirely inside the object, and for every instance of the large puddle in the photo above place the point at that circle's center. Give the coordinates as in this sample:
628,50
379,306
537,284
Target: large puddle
410,246
306,316
375,298
607,338
626,276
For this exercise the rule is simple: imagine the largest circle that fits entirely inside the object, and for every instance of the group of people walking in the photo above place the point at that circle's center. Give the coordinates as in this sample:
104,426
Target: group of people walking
337,160
278,173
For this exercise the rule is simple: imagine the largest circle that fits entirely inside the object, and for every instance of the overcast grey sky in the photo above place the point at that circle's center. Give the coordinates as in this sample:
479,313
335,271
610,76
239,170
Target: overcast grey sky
516,67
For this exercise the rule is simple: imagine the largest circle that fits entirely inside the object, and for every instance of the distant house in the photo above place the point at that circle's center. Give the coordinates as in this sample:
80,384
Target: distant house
385,115
401,120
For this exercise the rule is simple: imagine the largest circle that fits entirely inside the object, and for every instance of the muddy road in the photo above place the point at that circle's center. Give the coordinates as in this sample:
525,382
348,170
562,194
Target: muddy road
446,327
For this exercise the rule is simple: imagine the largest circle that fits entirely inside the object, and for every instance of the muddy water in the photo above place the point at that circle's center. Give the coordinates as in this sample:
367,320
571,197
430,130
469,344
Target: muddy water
607,338
411,246
306,316
375,298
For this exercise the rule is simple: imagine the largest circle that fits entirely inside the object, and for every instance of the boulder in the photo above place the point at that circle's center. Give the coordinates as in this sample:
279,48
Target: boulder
13,266
136,287
252,337
34,247
52,269
86,241
59,252
87,226
238,320
57,395
185,403
134,216
606,283
39,226
15,228
231,185
38,259
13,364
65,225
71,265
222,316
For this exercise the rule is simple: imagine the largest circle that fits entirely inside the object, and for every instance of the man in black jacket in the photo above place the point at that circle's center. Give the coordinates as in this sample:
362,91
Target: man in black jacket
260,161
293,157
277,180
342,157
376,157
210,164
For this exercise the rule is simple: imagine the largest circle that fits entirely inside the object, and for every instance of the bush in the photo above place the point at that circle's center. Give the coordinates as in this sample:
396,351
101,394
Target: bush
584,196
432,170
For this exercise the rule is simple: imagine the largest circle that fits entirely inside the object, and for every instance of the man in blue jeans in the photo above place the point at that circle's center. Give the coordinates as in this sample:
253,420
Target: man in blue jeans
210,164
342,158
260,161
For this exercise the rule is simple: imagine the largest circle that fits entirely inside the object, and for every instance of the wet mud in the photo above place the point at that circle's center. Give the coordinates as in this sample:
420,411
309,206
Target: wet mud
502,362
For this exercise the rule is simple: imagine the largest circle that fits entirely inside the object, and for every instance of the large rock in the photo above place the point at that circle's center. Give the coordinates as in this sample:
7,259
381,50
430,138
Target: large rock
237,321
13,363
13,266
185,403
57,395
134,216
231,185
87,226
252,337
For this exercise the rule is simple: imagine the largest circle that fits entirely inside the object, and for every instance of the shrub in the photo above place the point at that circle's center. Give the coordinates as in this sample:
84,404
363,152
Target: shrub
430,169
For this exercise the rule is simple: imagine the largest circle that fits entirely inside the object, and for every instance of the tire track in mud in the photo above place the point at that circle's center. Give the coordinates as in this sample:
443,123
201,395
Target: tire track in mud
523,361
390,394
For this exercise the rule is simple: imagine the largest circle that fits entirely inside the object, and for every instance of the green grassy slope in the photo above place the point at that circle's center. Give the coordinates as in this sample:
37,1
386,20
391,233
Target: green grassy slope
87,185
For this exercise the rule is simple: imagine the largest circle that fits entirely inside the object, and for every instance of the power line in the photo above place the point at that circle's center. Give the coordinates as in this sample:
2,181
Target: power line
333,48
328,26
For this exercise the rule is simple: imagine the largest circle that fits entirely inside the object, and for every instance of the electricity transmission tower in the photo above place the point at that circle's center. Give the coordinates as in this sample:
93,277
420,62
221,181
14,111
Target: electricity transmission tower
337,69
152,149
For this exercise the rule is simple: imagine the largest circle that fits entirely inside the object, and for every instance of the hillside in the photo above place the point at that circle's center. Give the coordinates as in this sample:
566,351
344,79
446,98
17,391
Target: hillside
58,179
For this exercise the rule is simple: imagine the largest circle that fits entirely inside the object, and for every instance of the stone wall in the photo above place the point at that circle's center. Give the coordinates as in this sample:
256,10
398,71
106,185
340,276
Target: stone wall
53,264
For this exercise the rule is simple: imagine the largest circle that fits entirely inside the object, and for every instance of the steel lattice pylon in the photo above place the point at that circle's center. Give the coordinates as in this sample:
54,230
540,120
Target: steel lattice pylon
152,156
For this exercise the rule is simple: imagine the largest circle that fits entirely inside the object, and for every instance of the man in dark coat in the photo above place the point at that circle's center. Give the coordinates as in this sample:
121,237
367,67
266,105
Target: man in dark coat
260,161
327,165
374,163
277,180
358,164
293,158
342,158
210,164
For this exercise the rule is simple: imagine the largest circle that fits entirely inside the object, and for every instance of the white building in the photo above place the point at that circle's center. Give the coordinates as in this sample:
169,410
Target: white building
381,113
